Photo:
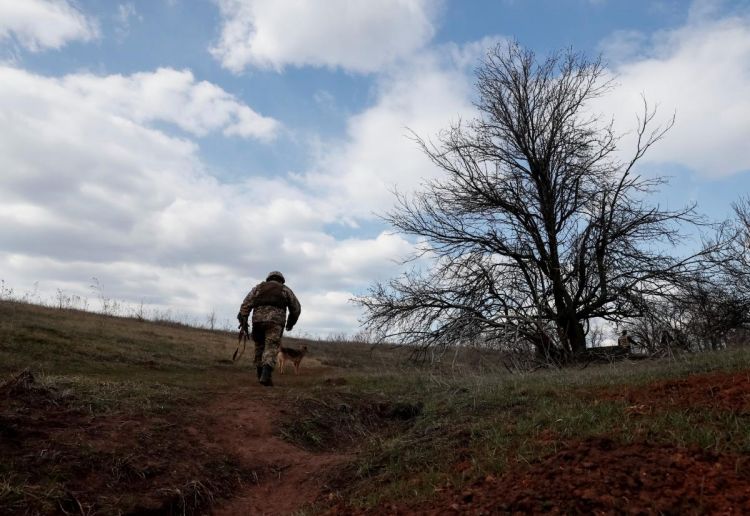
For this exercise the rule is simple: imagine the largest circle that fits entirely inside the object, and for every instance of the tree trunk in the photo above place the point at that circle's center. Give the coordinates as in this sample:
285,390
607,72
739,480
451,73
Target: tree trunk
574,334
545,347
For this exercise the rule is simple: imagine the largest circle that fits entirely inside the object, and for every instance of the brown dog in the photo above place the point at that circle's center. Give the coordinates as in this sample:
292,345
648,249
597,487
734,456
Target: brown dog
295,355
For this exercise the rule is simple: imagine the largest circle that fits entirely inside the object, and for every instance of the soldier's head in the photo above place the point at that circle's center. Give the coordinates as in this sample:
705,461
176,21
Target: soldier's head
275,276
624,332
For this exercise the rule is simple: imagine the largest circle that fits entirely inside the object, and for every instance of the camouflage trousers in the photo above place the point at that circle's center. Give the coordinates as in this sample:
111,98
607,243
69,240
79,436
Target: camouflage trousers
267,339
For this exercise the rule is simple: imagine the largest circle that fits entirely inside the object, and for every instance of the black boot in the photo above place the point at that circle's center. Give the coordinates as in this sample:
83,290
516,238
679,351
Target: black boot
258,371
265,376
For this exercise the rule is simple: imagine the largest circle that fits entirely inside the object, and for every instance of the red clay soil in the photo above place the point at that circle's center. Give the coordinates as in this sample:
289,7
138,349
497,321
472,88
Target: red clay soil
597,476
225,458
287,478
104,462
720,391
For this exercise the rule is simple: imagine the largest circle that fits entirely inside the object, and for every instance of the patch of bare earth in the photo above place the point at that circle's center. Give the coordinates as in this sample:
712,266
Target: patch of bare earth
597,476
719,391
286,477
601,476
59,457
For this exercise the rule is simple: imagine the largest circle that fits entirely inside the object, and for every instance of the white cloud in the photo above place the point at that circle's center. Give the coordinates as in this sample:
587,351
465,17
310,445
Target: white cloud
701,10
173,96
324,98
333,309
89,189
623,45
349,262
701,71
125,12
379,154
44,24
356,35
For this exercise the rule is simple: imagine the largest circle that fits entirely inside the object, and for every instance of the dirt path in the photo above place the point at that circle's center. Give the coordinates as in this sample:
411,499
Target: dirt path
287,477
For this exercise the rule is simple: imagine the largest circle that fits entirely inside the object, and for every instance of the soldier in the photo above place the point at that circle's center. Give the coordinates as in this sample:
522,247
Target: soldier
269,301
624,341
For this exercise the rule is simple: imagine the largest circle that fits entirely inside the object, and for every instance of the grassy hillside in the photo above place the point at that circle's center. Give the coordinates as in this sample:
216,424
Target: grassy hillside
472,427
121,417
102,424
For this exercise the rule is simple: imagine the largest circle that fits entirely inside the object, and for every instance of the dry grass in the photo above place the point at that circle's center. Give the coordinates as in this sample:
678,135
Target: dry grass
413,428
99,430
472,425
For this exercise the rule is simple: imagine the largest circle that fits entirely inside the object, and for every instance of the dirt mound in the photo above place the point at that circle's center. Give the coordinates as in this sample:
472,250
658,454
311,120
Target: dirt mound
31,411
67,458
189,462
721,391
17,384
597,476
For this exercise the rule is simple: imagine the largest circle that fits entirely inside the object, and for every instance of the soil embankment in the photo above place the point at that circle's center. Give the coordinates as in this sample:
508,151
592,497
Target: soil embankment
639,474
286,477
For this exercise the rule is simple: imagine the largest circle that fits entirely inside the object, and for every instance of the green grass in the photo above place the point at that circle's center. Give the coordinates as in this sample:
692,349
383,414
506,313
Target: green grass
474,425
96,377
135,383
462,424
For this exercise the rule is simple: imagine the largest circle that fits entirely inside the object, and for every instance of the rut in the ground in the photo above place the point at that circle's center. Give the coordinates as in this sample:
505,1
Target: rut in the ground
288,477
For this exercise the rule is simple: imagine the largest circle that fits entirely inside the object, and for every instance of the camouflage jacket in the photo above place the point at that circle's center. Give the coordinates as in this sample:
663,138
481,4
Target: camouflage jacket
269,301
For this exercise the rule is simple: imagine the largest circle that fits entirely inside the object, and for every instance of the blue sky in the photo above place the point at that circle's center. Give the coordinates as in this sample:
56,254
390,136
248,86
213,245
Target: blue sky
178,150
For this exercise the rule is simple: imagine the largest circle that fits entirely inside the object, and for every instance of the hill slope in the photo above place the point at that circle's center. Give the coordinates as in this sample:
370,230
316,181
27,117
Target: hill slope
116,415
126,416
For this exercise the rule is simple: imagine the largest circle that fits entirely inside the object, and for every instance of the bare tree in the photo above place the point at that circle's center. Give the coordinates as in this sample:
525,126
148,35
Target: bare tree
211,320
536,227
738,269
730,249
716,301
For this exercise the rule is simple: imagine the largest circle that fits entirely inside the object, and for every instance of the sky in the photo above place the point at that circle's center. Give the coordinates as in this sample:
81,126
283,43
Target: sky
179,150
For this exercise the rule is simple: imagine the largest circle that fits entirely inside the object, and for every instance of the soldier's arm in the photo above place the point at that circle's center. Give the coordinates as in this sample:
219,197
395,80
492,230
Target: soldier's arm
294,308
248,303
